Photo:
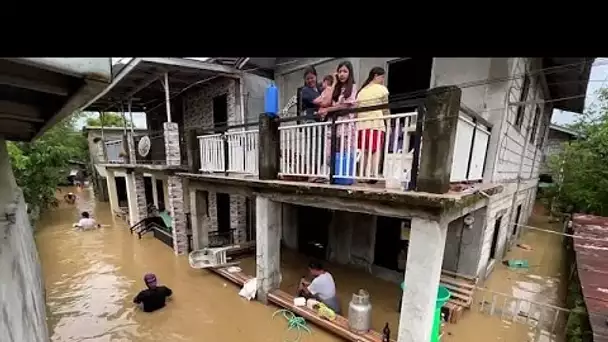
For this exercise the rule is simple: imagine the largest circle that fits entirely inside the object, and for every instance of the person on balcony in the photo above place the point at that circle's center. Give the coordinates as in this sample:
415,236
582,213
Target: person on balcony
154,297
315,96
371,132
344,96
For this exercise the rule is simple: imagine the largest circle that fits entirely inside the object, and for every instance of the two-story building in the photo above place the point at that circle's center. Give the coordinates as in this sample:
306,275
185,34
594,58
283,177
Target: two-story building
466,132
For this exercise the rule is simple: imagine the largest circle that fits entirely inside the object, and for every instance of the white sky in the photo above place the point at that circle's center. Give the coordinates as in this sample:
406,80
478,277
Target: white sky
597,79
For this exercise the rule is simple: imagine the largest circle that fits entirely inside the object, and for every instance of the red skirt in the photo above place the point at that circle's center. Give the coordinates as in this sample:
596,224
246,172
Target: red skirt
374,140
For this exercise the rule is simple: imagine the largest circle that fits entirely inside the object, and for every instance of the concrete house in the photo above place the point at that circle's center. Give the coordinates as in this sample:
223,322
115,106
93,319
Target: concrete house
557,137
470,140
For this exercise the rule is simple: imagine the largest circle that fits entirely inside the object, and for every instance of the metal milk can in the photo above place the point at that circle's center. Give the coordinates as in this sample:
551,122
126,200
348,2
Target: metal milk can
360,312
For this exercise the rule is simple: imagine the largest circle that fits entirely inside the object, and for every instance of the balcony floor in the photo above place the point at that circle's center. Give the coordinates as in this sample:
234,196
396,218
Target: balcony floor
344,197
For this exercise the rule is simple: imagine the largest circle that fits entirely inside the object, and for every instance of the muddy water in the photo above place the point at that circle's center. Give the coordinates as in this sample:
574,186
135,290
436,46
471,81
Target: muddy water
91,278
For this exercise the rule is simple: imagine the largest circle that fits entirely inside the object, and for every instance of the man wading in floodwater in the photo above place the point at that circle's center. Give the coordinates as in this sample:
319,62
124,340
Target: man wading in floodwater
153,298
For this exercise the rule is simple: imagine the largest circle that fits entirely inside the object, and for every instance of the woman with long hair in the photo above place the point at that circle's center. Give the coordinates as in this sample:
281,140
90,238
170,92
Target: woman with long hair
344,96
371,132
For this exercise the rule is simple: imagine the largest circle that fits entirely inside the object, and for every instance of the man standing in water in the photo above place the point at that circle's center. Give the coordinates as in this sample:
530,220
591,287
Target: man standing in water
322,287
86,222
152,298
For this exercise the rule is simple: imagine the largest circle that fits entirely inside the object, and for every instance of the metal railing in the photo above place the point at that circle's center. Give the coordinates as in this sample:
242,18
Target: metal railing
229,152
114,149
366,148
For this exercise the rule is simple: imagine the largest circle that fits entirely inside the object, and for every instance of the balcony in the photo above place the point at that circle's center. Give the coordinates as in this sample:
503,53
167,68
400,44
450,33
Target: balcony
388,158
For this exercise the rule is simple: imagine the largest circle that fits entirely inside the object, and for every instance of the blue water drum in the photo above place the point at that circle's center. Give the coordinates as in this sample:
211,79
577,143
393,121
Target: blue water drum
342,160
271,100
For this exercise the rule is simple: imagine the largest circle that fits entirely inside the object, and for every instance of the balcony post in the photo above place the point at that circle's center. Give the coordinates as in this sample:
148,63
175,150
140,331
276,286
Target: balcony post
167,97
438,139
269,148
268,246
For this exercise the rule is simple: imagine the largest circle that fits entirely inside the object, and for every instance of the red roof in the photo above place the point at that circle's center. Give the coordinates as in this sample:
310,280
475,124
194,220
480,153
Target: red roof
592,265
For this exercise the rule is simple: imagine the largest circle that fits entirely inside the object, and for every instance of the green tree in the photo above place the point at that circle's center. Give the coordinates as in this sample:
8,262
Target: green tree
40,166
109,120
581,169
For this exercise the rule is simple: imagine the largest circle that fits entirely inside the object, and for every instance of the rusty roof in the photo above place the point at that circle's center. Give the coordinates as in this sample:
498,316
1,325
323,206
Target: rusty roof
592,265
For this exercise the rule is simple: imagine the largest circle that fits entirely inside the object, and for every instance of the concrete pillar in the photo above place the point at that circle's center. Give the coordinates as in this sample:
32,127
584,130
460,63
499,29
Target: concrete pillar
199,219
422,273
269,148
131,148
438,139
154,191
172,148
112,192
268,246
178,215
131,197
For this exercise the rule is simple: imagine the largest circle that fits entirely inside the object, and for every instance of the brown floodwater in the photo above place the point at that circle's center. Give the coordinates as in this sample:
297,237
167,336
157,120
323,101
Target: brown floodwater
91,278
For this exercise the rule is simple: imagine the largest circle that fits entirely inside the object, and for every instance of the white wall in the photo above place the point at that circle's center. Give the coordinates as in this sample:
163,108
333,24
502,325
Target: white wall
22,303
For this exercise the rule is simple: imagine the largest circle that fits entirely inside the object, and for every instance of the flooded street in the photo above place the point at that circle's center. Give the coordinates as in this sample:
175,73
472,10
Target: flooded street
91,278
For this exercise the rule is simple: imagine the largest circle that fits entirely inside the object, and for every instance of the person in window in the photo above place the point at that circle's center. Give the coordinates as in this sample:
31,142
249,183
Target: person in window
321,288
344,96
371,132
154,297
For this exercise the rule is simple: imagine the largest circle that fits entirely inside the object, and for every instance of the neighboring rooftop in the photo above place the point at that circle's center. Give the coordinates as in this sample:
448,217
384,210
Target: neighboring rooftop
592,265
565,130
114,129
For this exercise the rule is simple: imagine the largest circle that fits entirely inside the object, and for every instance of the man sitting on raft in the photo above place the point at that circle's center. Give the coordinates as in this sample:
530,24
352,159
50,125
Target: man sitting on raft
154,297
322,287
86,222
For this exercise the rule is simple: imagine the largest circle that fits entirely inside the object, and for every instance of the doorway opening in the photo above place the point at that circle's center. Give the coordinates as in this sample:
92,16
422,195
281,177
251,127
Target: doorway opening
121,192
223,212
313,237
516,222
220,112
250,219
148,190
494,246
160,193
392,243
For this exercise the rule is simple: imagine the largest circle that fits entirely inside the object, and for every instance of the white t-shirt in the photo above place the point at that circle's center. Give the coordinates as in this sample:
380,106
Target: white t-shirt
87,223
323,286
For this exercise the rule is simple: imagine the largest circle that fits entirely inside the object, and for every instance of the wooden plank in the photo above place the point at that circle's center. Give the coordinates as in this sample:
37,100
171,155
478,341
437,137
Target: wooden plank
457,283
458,275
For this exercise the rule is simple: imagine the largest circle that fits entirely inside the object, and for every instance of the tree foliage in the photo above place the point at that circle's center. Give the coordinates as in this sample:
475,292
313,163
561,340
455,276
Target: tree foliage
109,120
581,169
40,166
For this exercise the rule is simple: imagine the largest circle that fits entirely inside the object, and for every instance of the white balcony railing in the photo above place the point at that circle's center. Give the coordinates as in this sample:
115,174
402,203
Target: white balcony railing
243,151
241,148
470,150
113,150
211,148
382,154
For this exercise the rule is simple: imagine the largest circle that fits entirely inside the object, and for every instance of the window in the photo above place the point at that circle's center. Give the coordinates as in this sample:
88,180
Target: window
494,246
523,96
535,124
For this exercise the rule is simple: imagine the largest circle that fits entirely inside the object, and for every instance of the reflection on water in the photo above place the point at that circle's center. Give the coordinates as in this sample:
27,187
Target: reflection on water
92,276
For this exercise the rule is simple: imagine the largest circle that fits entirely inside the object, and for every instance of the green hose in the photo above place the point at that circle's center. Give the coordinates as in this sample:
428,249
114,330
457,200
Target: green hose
293,322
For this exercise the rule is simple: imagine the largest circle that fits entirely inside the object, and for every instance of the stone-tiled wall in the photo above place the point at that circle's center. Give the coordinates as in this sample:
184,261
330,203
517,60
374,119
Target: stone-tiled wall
140,196
176,205
198,114
172,148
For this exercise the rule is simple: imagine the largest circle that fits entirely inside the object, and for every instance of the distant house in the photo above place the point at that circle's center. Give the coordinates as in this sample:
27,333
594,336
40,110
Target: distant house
557,137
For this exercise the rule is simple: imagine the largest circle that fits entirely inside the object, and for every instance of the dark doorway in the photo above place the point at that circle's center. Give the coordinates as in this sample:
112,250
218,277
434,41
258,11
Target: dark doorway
160,192
516,222
220,111
313,231
390,242
149,192
494,246
223,212
121,191
250,218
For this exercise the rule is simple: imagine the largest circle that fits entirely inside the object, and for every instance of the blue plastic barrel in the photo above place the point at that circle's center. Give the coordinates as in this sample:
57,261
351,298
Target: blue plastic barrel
344,159
271,100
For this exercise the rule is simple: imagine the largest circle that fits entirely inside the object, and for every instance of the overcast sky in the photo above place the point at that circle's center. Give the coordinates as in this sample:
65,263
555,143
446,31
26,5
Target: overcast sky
598,78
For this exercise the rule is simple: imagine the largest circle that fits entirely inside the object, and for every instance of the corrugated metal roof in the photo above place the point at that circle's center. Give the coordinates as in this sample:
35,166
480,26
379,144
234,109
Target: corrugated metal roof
592,265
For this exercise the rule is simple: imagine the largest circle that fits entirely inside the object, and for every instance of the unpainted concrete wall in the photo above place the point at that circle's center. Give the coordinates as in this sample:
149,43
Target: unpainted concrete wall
464,244
22,303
